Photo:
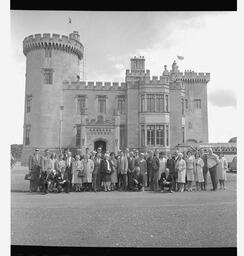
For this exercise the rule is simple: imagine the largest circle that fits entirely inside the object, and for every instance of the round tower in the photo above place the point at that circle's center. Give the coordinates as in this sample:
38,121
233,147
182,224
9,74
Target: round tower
50,59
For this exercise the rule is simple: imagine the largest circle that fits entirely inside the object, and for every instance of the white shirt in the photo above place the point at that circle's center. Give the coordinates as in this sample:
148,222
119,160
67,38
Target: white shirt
108,165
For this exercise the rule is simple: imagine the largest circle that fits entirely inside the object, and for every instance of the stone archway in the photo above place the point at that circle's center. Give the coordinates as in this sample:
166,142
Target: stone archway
100,143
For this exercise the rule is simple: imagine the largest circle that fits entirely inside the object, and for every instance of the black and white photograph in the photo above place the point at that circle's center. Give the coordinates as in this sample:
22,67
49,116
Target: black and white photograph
125,129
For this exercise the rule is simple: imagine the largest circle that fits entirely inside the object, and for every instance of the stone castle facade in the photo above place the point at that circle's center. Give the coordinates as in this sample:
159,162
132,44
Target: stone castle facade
144,112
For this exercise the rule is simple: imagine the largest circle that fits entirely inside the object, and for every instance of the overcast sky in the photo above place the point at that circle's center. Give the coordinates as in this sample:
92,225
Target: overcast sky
207,40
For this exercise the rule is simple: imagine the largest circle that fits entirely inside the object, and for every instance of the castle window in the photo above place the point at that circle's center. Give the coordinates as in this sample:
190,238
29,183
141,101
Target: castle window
28,103
143,102
160,135
122,138
156,135
167,103
151,135
186,103
154,103
27,135
159,103
102,104
81,104
167,135
78,136
183,134
48,76
150,103
197,103
182,107
121,104
142,136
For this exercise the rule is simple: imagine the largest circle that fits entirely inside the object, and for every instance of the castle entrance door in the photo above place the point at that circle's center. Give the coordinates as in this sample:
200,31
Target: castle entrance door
100,144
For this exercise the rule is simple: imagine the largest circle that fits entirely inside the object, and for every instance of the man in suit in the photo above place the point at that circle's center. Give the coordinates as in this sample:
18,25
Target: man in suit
35,169
166,180
136,180
131,164
212,162
68,172
170,164
149,168
155,171
97,172
46,167
122,170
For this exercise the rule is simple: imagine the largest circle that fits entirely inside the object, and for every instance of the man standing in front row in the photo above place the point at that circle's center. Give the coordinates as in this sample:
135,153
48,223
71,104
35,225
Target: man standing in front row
68,172
35,168
122,170
213,161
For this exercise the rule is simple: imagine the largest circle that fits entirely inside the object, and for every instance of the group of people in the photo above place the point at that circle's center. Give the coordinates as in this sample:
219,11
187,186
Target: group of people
126,171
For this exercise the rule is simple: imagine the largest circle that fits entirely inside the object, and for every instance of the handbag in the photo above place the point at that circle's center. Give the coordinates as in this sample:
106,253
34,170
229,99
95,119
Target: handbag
81,174
28,176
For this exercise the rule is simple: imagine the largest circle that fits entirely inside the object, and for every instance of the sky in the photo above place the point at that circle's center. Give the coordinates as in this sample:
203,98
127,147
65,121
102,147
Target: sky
207,40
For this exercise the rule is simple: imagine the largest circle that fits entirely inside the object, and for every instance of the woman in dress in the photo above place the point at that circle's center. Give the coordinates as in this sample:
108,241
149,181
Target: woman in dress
221,170
96,175
181,167
190,170
61,165
143,170
88,167
114,174
76,171
199,171
53,161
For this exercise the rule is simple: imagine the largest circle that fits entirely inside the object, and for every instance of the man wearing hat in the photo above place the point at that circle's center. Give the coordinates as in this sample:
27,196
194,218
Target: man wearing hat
35,168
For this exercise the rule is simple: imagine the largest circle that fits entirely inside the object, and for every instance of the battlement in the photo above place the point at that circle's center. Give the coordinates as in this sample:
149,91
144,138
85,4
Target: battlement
191,76
104,86
69,43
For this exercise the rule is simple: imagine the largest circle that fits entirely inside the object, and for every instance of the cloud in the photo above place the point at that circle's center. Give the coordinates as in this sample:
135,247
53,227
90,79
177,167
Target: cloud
222,98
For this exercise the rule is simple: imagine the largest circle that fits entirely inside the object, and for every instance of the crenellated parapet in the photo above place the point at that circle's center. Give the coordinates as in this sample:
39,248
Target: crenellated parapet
69,43
104,86
191,76
155,80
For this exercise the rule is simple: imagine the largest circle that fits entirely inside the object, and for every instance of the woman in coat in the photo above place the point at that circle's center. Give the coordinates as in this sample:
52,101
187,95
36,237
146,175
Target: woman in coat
88,167
76,171
199,171
181,167
114,175
222,167
107,169
190,170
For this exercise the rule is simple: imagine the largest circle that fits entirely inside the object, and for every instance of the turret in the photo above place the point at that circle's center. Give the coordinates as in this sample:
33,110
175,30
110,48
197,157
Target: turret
50,59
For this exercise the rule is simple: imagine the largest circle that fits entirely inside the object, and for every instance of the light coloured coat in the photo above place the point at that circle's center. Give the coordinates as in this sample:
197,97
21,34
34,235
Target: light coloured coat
88,167
181,167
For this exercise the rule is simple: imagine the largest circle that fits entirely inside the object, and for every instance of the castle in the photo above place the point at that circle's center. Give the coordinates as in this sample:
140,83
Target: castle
144,112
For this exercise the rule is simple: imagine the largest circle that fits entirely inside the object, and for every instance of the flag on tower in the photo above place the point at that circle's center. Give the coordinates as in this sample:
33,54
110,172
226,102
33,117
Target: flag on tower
69,20
180,57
